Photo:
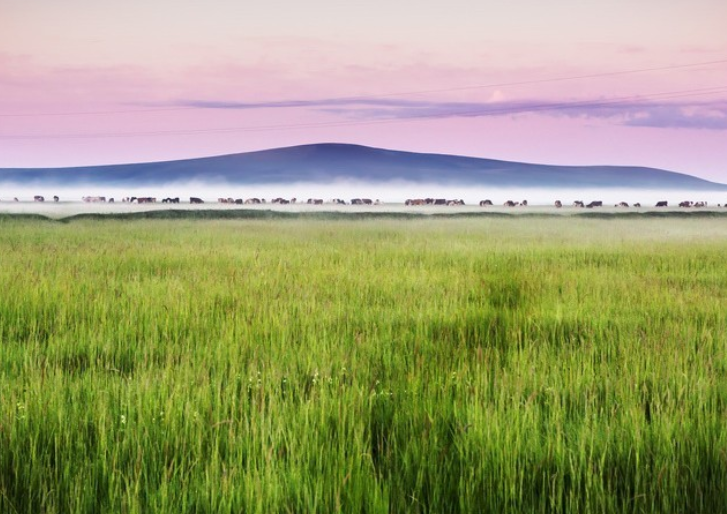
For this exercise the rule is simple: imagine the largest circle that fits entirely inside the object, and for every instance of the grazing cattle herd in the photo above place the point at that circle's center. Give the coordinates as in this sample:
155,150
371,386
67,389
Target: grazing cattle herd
364,202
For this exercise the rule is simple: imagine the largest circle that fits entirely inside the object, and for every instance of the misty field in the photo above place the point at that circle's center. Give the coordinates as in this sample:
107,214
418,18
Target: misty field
421,365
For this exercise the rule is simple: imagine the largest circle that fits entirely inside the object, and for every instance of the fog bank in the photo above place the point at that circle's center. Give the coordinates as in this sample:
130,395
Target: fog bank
387,193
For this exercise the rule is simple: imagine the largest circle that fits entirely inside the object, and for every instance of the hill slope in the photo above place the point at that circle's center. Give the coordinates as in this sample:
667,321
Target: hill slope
324,163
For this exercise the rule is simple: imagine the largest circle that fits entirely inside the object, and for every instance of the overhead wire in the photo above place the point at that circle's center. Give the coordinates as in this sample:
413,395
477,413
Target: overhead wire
380,95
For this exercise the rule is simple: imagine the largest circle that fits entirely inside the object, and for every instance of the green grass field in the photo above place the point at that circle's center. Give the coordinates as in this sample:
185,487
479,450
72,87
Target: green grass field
530,364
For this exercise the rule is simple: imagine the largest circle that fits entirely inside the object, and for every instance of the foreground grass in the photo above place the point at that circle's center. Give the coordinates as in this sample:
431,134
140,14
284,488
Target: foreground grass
459,365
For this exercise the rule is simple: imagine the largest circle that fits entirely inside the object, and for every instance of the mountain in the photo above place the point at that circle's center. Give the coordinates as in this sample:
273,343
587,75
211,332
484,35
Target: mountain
328,162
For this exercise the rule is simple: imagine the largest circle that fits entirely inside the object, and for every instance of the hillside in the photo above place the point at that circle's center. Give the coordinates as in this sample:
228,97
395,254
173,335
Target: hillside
324,163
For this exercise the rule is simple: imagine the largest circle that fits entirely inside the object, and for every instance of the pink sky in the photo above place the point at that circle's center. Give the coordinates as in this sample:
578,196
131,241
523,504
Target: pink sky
87,82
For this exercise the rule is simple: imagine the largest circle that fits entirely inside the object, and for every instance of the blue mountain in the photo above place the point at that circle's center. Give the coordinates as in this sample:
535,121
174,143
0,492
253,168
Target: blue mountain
327,162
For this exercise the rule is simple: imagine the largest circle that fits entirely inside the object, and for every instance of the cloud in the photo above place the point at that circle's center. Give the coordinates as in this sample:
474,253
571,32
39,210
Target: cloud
212,104
675,117
497,96
680,115
708,115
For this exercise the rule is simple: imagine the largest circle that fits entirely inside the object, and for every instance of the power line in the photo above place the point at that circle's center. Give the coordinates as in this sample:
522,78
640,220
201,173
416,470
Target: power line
95,113
558,79
519,109
382,95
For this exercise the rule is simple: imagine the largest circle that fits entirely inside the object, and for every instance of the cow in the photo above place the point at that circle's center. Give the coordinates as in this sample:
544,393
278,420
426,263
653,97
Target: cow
56,199
253,201
194,199
579,203
239,201
281,201
97,199
146,199
111,200
637,204
485,203
510,203
38,198
415,201
524,203
700,204
685,203
662,203
595,203
455,202
558,204
621,204
367,201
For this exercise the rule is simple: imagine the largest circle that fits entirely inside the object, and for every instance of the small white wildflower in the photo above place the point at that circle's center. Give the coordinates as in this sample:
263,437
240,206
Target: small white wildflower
123,419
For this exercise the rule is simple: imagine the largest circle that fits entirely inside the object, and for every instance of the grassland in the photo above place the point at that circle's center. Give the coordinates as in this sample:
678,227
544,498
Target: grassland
381,365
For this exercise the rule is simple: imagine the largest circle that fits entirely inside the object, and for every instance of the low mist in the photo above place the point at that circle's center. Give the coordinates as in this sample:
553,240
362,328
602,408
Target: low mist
393,192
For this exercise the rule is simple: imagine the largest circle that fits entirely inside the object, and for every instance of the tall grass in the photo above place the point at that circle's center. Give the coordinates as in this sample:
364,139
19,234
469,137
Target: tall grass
460,365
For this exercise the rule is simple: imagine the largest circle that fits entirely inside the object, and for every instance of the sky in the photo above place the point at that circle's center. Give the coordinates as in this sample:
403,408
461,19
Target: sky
87,82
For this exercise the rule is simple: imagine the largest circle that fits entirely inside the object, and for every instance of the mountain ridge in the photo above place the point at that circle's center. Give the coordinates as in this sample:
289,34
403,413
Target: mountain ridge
330,162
